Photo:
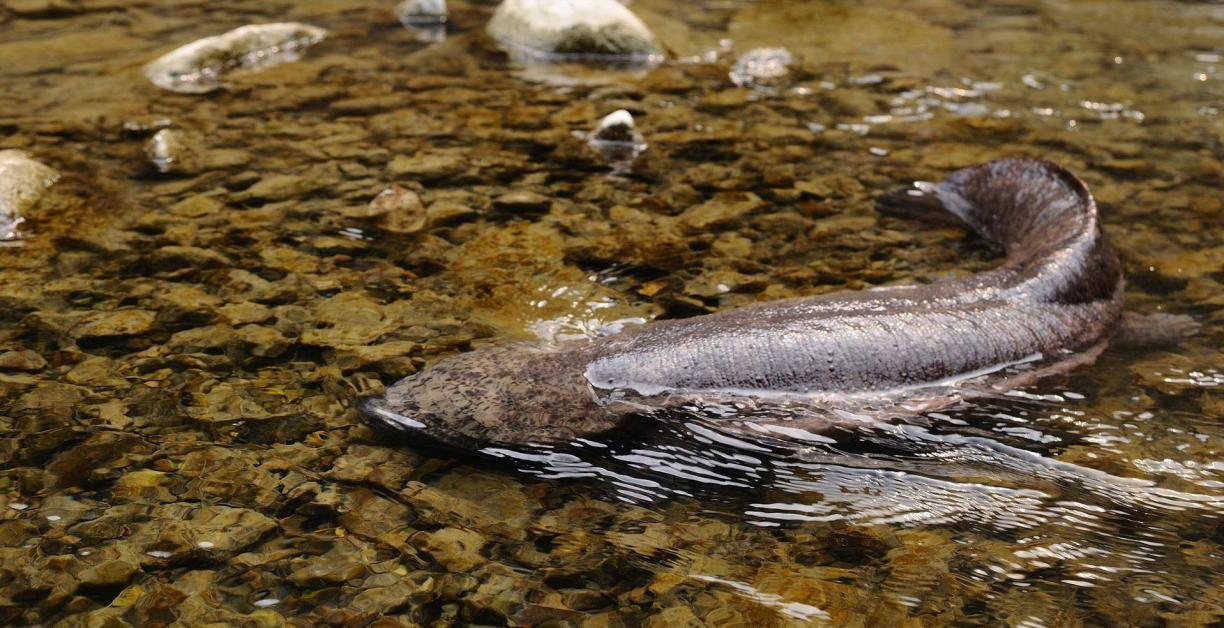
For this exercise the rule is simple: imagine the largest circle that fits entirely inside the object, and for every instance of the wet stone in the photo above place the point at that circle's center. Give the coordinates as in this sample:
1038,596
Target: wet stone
112,324
173,150
111,573
480,502
245,312
724,209
454,549
383,599
577,28
22,181
421,12
96,371
144,485
280,187
384,466
24,360
522,201
170,257
616,137
397,210
178,530
427,166
198,67
338,566
762,68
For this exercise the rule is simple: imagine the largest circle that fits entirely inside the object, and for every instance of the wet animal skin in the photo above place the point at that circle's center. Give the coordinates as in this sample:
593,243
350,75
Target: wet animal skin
1050,306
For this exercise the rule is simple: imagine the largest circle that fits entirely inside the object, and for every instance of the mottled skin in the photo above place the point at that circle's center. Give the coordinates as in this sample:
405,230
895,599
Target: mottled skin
1051,305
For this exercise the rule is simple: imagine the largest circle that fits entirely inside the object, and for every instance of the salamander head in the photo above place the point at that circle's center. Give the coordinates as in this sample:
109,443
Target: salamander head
509,395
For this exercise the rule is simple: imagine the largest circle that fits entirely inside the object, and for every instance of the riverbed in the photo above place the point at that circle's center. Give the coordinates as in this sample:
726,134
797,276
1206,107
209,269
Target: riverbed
182,352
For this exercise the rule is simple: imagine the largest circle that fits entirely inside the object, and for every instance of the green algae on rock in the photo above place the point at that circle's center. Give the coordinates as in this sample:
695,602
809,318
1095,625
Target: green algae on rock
197,68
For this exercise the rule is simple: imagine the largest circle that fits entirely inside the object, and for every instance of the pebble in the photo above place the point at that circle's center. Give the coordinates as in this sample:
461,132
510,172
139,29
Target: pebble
197,68
22,182
424,18
24,360
522,201
574,29
398,210
117,323
762,68
171,150
616,137
417,12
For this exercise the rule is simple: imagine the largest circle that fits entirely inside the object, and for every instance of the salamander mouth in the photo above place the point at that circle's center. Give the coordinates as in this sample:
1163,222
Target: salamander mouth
408,425
384,419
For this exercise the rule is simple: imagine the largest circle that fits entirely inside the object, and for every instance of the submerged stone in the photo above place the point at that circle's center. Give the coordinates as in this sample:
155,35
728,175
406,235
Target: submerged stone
197,68
172,150
398,210
421,12
574,29
22,182
762,68
424,18
616,138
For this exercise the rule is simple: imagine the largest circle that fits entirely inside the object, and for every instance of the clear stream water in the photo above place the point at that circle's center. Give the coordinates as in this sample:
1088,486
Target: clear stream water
181,353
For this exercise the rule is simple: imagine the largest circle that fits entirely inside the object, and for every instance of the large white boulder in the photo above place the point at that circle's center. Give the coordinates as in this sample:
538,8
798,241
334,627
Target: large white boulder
574,29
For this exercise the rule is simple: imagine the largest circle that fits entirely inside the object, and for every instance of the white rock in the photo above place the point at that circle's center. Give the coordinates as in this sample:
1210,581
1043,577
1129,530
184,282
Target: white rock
616,137
22,181
413,12
574,29
197,67
424,18
762,68
172,150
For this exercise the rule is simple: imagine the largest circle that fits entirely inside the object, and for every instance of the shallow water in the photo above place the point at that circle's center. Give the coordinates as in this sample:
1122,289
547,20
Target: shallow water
181,353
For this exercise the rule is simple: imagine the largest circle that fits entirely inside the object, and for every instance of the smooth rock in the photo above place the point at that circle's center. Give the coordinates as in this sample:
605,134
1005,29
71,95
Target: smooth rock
522,201
280,187
398,210
456,549
95,371
24,360
197,68
111,573
574,29
22,182
426,166
762,68
424,18
724,209
117,323
172,150
421,11
337,566
616,137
